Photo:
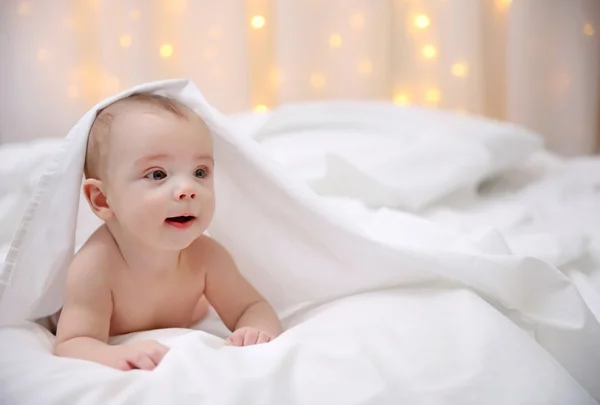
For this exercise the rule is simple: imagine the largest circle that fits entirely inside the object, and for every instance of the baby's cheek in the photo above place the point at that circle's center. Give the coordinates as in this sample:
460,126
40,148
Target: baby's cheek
154,206
142,206
208,206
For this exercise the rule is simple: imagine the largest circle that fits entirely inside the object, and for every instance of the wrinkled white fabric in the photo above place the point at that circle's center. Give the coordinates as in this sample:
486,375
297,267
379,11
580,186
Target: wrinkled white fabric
403,158
449,326
422,346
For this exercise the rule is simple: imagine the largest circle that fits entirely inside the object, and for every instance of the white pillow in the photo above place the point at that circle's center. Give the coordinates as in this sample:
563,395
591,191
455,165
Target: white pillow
391,156
382,175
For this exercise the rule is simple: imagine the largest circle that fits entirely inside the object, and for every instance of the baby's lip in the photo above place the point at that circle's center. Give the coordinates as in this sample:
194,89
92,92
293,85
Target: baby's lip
180,220
184,214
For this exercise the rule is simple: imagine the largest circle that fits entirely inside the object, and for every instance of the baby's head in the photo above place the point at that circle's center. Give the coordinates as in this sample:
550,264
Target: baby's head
149,171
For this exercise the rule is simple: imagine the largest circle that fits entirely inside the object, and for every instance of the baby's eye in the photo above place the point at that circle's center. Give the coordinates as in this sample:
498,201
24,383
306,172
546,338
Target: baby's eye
156,175
201,173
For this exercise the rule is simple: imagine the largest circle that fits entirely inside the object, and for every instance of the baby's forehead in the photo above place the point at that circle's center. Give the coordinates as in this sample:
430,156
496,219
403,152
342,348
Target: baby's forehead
141,115
140,129
135,120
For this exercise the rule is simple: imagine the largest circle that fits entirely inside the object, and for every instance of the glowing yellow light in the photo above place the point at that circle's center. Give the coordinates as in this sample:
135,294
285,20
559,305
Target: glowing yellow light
460,69
261,108
166,50
24,7
335,41
43,54
73,92
215,32
257,22
401,99
317,80
588,30
365,67
176,6
135,14
429,51
503,3
422,21
357,21
125,41
433,95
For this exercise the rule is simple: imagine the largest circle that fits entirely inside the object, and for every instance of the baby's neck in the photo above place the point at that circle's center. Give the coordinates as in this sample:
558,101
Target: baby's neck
145,259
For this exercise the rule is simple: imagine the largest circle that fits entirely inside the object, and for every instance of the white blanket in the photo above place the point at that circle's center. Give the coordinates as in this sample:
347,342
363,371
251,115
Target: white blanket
391,321
413,346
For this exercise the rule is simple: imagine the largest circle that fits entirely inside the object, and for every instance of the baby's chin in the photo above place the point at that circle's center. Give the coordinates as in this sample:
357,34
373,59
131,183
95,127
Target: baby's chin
179,240
173,245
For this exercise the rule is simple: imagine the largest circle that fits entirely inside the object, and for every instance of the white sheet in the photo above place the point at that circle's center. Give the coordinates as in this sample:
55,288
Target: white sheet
414,346
458,325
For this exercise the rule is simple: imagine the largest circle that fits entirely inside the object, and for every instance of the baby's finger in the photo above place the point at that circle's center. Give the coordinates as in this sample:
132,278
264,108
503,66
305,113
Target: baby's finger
156,354
123,365
251,337
264,337
143,362
162,348
236,339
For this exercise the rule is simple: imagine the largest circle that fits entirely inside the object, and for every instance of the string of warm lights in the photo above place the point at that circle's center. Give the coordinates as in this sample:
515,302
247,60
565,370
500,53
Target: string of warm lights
266,78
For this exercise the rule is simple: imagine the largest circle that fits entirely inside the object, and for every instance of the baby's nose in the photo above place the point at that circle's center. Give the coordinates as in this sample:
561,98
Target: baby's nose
185,193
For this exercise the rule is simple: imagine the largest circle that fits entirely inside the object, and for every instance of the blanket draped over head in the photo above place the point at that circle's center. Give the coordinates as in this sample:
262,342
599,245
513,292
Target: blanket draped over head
291,250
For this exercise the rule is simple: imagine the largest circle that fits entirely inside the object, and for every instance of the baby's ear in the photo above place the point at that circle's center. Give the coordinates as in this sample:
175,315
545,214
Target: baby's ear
93,190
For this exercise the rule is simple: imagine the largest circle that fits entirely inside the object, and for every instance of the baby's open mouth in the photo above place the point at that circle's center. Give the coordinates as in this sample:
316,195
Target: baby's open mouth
181,219
181,222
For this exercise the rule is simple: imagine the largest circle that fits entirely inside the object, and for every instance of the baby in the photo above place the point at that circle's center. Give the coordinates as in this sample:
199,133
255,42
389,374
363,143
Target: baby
149,177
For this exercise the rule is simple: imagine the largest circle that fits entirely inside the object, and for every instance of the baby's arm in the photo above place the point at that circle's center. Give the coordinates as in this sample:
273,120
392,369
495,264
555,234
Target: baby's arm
238,304
84,323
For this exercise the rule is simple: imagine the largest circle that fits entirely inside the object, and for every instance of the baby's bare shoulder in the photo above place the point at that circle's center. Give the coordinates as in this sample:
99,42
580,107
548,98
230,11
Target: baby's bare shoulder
207,252
92,264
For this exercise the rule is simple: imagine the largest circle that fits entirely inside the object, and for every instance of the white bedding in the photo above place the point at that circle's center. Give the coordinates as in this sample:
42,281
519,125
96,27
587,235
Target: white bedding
399,346
436,342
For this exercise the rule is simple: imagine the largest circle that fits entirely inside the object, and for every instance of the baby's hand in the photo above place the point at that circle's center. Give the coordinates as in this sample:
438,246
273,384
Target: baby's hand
143,355
248,336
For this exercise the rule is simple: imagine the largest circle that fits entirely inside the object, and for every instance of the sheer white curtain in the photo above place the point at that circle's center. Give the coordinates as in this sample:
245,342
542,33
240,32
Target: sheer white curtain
534,62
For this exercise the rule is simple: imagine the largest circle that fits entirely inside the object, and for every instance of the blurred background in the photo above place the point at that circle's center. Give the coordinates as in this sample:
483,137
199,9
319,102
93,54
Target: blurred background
533,62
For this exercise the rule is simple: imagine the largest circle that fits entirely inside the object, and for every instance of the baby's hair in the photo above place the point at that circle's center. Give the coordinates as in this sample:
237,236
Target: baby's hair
99,139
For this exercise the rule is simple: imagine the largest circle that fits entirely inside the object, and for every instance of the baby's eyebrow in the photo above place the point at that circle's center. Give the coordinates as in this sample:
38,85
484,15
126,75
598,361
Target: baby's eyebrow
150,158
205,157
163,156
